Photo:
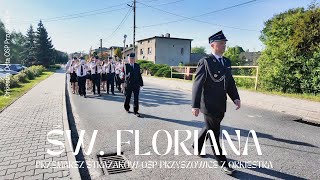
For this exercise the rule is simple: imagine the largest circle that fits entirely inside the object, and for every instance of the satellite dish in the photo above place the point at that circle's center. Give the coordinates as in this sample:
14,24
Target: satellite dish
125,36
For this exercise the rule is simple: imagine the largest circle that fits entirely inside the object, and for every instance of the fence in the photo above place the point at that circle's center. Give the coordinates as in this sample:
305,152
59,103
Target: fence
189,71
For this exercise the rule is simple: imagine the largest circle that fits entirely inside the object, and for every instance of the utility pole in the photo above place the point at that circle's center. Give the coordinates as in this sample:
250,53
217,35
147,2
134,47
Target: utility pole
134,25
100,49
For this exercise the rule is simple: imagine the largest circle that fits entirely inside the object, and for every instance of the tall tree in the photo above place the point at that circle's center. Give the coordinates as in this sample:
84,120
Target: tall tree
18,41
29,52
291,60
199,50
118,53
233,53
2,39
44,47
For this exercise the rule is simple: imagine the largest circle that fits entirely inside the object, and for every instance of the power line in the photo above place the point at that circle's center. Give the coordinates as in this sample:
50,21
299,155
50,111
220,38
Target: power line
192,18
58,17
120,24
79,15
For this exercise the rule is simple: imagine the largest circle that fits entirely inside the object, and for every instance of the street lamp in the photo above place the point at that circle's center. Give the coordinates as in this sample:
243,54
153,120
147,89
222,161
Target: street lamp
124,44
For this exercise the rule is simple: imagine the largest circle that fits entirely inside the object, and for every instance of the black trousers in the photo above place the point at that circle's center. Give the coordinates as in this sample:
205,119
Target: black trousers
110,82
96,82
212,123
82,85
118,81
128,93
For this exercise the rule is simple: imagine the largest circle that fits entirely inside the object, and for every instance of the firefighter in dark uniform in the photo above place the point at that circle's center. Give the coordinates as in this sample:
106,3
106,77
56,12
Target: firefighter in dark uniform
213,81
132,84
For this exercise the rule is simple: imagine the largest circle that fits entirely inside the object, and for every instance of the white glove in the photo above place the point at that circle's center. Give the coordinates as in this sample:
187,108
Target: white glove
141,88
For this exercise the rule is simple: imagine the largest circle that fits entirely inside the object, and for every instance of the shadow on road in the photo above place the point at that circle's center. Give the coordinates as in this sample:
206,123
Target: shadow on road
149,97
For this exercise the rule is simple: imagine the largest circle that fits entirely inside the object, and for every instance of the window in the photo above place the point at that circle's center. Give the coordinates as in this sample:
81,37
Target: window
141,51
149,50
182,51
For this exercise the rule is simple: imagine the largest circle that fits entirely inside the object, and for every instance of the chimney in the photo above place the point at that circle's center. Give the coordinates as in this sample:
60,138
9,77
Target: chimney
168,35
130,45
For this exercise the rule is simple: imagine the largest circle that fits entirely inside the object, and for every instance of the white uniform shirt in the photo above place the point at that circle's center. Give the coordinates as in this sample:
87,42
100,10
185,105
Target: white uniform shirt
84,70
72,68
112,66
93,66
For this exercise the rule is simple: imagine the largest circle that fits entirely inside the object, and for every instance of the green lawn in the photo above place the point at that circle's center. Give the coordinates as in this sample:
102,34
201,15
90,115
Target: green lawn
15,93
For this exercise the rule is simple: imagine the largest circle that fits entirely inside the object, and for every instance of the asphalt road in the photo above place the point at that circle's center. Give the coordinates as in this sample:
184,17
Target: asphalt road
290,150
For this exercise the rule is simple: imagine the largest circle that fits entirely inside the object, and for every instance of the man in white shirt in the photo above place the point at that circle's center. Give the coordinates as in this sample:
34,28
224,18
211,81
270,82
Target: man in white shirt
110,69
81,73
96,68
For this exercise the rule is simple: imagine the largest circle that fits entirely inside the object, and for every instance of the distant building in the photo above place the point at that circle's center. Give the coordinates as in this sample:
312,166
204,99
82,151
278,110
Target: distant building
250,58
128,50
164,50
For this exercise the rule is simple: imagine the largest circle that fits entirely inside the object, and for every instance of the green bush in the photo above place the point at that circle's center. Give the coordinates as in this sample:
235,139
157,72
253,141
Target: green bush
167,73
14,82
22,77
29,73
160,72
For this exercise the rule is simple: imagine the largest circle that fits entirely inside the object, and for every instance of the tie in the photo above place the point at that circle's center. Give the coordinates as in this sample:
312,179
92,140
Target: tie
81,71
96,69
221,61
132,66
109,68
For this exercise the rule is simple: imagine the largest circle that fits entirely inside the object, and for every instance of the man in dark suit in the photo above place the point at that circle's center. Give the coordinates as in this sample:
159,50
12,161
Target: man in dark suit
133,82
213,81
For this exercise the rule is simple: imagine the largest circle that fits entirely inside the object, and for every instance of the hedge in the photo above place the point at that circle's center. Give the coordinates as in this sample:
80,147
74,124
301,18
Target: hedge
22,77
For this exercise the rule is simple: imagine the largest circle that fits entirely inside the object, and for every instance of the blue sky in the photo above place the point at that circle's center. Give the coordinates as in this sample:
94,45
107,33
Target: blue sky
99,19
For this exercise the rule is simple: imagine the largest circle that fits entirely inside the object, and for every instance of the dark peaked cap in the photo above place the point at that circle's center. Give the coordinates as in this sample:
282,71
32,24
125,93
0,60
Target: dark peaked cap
219,36
132,55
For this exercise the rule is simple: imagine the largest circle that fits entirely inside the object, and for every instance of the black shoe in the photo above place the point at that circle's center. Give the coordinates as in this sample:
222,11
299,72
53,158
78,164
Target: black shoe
113,94
228,170
85,96
108,92
137,114
99,95
202,156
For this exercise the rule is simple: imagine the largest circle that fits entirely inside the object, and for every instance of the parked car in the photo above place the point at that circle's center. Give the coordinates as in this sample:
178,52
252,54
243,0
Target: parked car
4,72
13,67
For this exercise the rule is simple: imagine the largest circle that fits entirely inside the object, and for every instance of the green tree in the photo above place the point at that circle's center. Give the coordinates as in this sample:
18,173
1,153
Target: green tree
18,41
118,52
44,47
233,53
2,39
30,48
199,50
291,60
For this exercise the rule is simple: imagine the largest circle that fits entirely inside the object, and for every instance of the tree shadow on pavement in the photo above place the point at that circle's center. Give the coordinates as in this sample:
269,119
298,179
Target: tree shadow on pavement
149,97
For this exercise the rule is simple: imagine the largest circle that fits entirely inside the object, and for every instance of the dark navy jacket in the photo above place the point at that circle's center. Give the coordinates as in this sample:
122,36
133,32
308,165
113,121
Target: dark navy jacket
212,83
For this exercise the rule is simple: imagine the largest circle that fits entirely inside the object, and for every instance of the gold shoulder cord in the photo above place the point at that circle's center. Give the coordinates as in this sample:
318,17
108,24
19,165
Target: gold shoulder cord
222,78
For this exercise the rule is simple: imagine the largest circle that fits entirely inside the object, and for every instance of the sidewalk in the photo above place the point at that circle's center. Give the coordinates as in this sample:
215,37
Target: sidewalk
306,110
23,129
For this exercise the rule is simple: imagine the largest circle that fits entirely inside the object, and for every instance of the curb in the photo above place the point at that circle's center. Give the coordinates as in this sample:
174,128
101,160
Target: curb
74,172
